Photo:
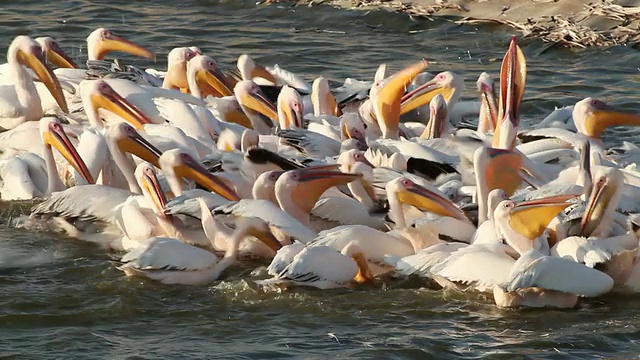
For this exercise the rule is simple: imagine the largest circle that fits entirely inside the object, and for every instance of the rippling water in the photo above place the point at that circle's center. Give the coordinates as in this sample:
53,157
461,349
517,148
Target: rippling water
64,299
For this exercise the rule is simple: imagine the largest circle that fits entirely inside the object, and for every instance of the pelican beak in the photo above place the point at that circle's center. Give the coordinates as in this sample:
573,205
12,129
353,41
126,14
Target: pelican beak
237,116
140,147
37,62
113,102
59,58
513,75
598,202
213,82
423,95
262,72
488,102
293,118
314,182
196,172
57,138
531,218
438,118
258,102
388,97
605,116
427,200
152,187
503,170
267,238
117,44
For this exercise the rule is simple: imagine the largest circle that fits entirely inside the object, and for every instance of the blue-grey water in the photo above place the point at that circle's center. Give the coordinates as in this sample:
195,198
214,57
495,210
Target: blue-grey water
64,299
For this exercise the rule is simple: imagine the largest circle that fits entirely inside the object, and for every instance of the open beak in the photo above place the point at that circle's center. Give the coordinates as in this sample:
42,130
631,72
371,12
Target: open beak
503,170
152,187
213,82
596,206
488,103
388,96
530,218
423,95
38,64
196,172
313,182
118,44
140,147
58,57
427,200
113,102
57,138
262,72
267,238
513,75
258,102
606,116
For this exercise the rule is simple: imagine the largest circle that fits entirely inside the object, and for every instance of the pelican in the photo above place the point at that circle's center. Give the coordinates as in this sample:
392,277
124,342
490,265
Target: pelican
20,101
27,176
171,261
256,105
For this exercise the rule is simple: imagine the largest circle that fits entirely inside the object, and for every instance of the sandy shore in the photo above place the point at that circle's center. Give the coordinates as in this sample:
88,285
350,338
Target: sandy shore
564,22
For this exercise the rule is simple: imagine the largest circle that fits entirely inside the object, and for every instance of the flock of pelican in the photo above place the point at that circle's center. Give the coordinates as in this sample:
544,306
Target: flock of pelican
185,171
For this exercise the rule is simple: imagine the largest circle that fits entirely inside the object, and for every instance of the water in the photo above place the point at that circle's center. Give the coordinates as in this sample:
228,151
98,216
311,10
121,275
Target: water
65,299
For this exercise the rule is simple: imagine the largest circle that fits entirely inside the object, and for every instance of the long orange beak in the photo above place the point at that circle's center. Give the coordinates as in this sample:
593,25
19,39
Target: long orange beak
110,100
513,76
57,137
117,44
428,200
531,218
191,169
37,62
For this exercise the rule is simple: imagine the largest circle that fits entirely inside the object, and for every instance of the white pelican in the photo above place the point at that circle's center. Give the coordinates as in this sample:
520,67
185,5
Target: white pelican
171,261
256,105
20,101
27,175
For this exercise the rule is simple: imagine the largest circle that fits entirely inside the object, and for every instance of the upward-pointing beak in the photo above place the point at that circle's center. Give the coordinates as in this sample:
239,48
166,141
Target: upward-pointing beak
513,75
38,64
57,138
531,218
596,206
503,170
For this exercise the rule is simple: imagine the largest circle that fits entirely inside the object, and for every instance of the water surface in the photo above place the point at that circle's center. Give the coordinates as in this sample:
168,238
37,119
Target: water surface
65,299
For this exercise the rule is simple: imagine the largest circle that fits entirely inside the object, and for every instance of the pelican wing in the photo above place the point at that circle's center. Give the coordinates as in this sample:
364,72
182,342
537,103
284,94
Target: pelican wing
9,103
267,211
85,202
187,203
422,262
556,273
346,211
320,264
480,265
593,251
310,143
169,254
284,257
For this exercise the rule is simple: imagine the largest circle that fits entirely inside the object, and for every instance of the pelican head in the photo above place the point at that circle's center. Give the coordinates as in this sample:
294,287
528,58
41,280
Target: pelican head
254,101
128,140
593,116
488,108
603,200
27,52
177,67
54,53
259,229
265,185
249,69
324,103
386,97
307,185
148,180
53,135
352,127
102,41
438,119
520,223
290,108
513,75
181,164
349,158
97,94
448,84
205,78
431,200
